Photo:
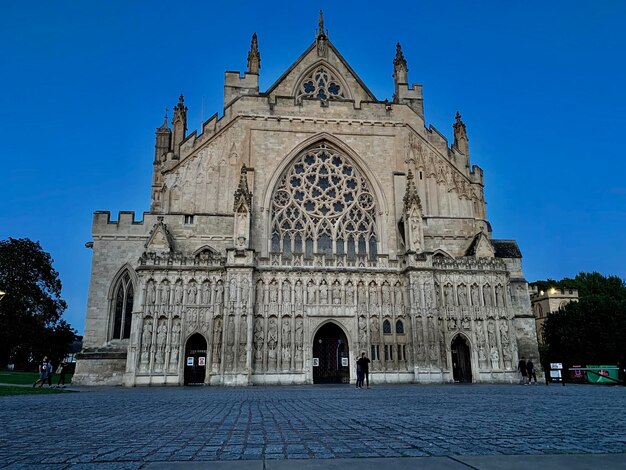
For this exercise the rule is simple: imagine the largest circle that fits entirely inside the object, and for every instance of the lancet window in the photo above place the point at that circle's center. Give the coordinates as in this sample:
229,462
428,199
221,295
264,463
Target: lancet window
322,85
322,204
122,307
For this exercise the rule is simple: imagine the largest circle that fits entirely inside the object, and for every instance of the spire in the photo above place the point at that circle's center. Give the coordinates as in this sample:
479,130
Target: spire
411,197
254,56
320,25
165,126
400,69
179,122
322,37
460,136
243,196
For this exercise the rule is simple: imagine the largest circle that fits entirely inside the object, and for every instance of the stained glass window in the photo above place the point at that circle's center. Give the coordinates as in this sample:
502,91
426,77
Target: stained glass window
323,205
123,305
321,84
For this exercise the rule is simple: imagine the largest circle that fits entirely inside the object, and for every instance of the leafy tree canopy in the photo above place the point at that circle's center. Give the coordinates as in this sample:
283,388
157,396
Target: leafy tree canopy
592,330
30,313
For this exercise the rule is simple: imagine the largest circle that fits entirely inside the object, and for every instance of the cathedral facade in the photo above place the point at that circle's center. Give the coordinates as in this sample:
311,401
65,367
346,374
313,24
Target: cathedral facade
307,224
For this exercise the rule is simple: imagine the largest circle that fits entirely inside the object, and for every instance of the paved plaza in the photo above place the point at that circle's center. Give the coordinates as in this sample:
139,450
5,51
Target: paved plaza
272,427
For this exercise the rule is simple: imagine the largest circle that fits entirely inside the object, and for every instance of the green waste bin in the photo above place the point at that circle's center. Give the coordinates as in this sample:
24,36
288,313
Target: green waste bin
603,374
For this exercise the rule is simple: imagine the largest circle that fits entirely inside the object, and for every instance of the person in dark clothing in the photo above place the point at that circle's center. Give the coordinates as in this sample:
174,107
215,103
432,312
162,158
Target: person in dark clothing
521,367
530,370
61,372
50,373
43,372
363,365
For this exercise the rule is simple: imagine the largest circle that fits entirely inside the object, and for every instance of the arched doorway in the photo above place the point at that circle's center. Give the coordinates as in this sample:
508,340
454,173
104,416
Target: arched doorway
461,360
331,363
195,360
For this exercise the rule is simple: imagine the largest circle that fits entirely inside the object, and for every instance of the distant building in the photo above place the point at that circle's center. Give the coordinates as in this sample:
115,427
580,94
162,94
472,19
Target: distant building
545,302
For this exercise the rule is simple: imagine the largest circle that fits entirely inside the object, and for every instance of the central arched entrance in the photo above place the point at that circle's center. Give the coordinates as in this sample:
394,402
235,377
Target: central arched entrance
331,362
195,360
461,360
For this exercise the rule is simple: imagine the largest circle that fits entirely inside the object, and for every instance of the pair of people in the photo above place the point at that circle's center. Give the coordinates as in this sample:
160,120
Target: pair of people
362,370
527,369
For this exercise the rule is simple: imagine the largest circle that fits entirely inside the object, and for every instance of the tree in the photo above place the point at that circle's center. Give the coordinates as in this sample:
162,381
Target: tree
30,313
592,330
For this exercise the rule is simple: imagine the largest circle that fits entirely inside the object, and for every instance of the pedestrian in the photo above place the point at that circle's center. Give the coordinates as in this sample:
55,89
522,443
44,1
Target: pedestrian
530,369
43,373
521,367
364,364
50,373
359,374
61,373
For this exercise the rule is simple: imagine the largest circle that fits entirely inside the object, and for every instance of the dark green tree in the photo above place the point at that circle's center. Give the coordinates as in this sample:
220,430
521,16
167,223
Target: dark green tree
30,313
592,330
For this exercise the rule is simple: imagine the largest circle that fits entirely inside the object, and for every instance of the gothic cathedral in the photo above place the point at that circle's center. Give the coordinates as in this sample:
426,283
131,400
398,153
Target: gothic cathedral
310,223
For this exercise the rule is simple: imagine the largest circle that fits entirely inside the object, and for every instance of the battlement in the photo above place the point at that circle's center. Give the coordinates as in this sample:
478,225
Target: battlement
236,85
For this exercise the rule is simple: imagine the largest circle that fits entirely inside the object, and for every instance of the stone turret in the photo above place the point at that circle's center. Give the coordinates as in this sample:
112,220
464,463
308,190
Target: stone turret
403,94
163,141
254,56
179,123
236,86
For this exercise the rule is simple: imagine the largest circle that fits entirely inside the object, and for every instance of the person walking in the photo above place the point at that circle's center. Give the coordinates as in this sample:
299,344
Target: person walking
521,367
61,373
530,370
43,373
364,364
359,374
50,373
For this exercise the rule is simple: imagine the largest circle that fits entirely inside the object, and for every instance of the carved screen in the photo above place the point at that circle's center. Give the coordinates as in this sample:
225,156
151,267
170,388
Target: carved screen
323,205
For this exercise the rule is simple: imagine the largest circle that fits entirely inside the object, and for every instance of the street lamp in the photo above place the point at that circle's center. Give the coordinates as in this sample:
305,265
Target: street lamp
2,294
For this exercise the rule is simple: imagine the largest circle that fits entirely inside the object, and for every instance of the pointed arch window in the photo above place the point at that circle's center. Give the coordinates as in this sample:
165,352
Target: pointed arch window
123,307
399,327
322,204
387,327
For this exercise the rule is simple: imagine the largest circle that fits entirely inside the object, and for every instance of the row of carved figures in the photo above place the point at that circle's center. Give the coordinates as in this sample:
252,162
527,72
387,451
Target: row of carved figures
278,343
475,295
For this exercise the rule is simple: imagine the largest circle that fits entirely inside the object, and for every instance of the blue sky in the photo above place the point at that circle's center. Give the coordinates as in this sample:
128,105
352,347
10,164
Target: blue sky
540,86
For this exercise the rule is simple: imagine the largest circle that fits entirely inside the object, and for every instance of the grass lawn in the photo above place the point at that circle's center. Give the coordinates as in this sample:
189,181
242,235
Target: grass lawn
27,378
6,390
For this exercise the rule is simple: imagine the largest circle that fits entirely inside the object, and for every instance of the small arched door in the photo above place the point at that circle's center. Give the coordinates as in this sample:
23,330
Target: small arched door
195,360
331,362
461,360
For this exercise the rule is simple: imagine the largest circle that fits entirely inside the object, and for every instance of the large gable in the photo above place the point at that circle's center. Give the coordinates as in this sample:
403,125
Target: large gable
322,73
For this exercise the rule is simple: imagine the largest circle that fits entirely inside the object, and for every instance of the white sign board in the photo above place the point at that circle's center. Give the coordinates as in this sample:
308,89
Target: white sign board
201,361
190,361
344,362
316,362
556,365
555,374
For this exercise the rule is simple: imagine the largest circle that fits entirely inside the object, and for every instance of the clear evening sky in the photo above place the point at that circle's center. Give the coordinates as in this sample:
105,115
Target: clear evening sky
541,86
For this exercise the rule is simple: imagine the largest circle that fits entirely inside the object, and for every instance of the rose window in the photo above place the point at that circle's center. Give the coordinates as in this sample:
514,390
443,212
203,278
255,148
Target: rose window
320,85
323,205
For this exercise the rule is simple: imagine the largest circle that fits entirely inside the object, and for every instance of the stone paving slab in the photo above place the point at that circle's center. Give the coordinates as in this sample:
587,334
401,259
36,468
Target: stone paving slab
122,428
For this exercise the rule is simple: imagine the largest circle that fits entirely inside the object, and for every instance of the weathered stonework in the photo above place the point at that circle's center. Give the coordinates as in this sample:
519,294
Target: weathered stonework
307,212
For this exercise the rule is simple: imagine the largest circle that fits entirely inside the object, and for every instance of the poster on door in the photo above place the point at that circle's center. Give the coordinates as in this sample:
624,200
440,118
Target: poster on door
201,361
344,362
190,361
316,362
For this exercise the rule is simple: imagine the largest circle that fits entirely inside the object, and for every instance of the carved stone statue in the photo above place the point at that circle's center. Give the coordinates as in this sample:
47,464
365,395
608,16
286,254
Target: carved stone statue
448,295
480,333
151,293
298,293
146,342
361,294
178,293
437,295
504,333
462,294
165,293
495,358
373,291
465,323
272,334
323,293
286,332
362,331
219,293
349,294
374,330
336,293
475,296
499,296
175,344
260,293
286,293
491,333
487,295
310,292
192,292
205,294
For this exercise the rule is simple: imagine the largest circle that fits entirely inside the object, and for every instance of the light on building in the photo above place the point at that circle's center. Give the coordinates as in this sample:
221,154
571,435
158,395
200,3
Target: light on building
552,291
2,294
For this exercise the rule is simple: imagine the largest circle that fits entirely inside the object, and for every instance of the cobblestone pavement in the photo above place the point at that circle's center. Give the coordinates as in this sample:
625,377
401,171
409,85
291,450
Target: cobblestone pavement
131,428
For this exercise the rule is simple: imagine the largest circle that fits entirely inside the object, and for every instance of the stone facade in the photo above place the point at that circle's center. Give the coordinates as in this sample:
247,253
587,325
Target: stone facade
309,213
